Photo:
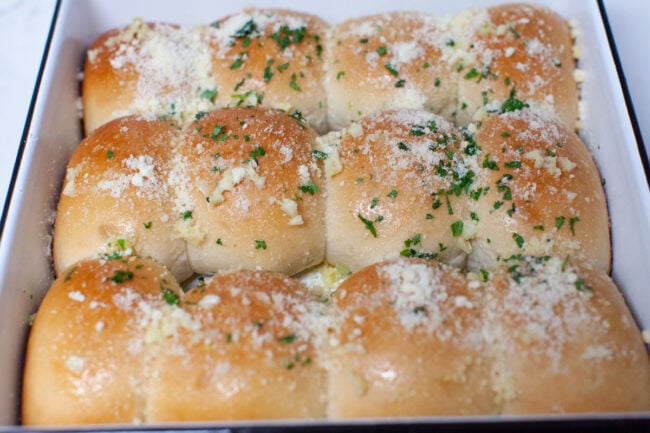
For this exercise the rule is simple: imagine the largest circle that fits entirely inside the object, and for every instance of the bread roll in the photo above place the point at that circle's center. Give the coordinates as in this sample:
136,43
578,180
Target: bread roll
519,54
159,68
392,180
249,353
408,343
87,353
393,60
249,192
542,194
272,58
116,197
563,341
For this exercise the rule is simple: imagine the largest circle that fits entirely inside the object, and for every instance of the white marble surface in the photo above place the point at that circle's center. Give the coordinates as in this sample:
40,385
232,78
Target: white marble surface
24,26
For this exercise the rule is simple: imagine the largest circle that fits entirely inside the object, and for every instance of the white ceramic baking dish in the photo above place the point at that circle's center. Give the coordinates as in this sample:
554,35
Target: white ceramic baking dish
53,130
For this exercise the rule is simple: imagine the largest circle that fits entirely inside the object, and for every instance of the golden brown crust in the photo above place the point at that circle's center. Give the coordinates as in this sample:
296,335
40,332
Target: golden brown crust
408,343
539,335
116,197
250,355
86,355
272,58
119,342
395,190
520,48
238,188
105,89
147,68
515,196
253,188
393,60
545,195
570,326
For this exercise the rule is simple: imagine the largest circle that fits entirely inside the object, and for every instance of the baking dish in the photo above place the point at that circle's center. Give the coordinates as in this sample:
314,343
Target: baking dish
53,130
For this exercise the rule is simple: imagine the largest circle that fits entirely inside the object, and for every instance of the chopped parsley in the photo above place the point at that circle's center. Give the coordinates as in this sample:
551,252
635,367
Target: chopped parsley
572,223
581,285
187,215
285,36
408,251
217,132
257,152
260,244
148,224
513,164
110,154
488,163
122,276
471,74
170,296
267,71
294,84
237,63
514,32
457,229
208,94
512,103
403,146
297,114
518,239
370,226
382,50
392,193
420,309
318,154
390,68
246,30
310,187
287,339
68,276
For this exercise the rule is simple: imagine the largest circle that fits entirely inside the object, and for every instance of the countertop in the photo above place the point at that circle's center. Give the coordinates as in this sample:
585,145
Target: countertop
24,26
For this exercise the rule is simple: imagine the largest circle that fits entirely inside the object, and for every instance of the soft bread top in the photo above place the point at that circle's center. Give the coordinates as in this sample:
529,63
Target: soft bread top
250,186
396,183
419,338
119,342
541,193
393,60
460,67
251,353
517,50
408,343
570,326
147,68
237,188
116,197
88,353
272,58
